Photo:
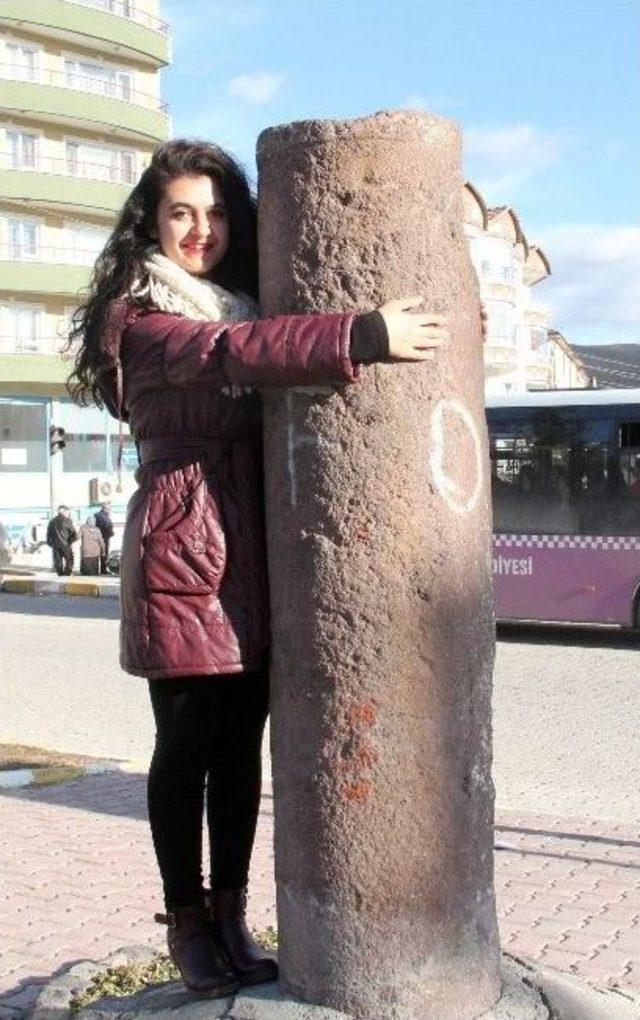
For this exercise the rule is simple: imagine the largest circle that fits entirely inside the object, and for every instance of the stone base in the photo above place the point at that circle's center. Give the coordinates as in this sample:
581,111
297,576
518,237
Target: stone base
528,993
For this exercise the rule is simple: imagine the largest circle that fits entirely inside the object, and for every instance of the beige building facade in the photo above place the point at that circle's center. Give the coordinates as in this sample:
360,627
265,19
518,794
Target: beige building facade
521,353
80,113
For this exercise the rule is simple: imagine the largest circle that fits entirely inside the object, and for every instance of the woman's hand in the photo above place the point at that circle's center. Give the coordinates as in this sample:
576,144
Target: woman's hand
413,335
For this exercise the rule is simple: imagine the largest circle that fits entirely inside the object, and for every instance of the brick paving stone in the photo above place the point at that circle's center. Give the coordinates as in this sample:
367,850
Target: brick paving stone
80,881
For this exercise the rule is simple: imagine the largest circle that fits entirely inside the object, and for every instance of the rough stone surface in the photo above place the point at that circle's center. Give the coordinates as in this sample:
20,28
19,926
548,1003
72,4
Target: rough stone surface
527,993
378,519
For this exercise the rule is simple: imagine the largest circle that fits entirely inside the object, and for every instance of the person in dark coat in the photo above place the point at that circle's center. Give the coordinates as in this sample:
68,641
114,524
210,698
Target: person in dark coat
105,526
61,534
171,341
91,547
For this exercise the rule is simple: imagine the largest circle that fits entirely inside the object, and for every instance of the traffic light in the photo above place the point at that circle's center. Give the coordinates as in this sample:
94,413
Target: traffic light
56,439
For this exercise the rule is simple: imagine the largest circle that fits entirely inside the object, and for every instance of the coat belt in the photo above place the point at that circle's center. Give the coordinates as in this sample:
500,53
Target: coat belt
182,447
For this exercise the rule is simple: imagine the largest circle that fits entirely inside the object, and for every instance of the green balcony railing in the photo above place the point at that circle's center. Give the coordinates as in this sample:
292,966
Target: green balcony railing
63,183
47,270
82,101
26,374
106,23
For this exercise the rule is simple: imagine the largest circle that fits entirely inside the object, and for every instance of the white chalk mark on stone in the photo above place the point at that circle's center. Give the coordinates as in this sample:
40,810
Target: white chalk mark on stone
457,497
291,448
294,442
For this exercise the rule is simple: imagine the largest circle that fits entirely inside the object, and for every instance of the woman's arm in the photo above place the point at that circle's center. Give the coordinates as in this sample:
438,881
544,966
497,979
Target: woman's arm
285,350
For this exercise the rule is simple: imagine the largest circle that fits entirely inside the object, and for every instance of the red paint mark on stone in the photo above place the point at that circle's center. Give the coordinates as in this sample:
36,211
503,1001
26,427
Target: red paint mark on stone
357,791
363,713
362,535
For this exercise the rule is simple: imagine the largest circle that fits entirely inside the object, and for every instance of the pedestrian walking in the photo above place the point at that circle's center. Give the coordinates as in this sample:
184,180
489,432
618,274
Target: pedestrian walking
61,534
91,547
105,524
171,340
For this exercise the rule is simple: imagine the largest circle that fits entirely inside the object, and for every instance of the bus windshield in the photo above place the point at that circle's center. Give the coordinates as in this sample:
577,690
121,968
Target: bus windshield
565,484
565,470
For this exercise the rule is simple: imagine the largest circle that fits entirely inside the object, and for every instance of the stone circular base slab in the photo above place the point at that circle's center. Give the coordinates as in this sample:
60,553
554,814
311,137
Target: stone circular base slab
528,993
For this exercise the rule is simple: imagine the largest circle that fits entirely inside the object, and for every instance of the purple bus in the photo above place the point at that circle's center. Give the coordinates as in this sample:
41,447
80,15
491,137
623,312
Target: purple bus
565,482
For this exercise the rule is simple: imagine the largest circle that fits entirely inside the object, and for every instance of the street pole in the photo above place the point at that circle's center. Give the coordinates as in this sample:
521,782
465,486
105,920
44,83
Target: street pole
379,555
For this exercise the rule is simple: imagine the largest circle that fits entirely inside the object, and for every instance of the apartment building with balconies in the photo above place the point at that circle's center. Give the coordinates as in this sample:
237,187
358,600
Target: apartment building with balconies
519,352
80,114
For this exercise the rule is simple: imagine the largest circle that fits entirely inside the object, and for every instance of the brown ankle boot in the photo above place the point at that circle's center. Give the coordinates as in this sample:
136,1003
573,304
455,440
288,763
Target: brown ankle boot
250,961
195,953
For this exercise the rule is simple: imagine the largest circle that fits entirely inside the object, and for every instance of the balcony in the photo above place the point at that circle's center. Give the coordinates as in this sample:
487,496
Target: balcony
28,376
47,270
115,27
498,290
499,358
12,343
536,315
63,184
63,97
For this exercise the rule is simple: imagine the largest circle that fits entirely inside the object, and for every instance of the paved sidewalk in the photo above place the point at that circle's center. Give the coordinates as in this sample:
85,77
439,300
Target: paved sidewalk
79,881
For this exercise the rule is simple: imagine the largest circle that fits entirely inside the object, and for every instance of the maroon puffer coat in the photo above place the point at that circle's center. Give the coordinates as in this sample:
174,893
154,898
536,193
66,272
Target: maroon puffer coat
194,579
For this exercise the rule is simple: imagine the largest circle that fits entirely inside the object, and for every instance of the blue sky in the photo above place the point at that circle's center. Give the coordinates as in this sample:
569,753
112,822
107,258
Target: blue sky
547,93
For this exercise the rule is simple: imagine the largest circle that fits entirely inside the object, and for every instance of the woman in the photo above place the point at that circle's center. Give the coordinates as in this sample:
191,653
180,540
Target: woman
91,547
171,341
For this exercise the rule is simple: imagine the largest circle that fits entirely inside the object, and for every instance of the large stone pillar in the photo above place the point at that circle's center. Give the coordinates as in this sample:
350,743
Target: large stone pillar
379,547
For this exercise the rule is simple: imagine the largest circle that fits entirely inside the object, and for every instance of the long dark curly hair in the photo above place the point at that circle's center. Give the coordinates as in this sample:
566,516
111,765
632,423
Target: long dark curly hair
122,258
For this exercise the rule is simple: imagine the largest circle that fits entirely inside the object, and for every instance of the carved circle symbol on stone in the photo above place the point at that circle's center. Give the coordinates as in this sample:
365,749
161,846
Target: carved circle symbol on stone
459,497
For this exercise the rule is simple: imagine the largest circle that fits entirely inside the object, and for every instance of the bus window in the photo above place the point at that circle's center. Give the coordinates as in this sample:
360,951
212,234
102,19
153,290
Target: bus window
531,487
629,434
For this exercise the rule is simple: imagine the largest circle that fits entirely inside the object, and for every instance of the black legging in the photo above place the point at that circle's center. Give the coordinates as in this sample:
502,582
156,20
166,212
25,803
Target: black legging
208,732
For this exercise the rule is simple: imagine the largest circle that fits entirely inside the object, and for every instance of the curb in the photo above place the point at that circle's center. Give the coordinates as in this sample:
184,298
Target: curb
38,586
16,779
528,993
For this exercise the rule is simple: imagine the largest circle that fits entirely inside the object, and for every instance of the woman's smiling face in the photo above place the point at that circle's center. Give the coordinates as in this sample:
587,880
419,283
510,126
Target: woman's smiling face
193,229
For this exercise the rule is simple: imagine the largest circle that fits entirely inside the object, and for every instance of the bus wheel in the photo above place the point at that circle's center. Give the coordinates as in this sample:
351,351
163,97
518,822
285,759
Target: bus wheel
636,613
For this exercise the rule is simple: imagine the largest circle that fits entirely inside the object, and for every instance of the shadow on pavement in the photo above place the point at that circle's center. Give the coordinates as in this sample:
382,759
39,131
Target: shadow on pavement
580,837
60,605
20,1000
121,794
563,634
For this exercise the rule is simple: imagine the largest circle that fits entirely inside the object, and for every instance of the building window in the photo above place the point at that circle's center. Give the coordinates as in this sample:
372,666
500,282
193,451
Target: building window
540,344
101,163
502,324
497,272
24,324
23,437
23,239
85,452
108,81
22,61
130,459
122,7
22,150
85,243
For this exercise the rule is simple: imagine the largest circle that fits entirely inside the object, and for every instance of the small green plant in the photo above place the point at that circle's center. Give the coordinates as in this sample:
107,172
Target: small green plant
268,938
125,979
129,978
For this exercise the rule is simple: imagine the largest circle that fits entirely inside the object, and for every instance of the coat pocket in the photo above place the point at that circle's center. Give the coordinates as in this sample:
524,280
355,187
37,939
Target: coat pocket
183,563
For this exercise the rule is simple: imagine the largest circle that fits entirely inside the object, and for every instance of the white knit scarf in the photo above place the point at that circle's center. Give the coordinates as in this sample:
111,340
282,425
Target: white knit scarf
171,289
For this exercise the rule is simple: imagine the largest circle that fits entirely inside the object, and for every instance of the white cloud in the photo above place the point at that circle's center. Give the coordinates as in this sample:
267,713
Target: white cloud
500,162
256,88
594,290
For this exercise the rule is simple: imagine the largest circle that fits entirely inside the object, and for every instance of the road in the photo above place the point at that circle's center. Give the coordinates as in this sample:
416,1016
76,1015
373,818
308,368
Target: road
566,704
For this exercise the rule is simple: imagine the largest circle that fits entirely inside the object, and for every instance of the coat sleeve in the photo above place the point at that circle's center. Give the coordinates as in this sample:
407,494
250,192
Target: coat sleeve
286,350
